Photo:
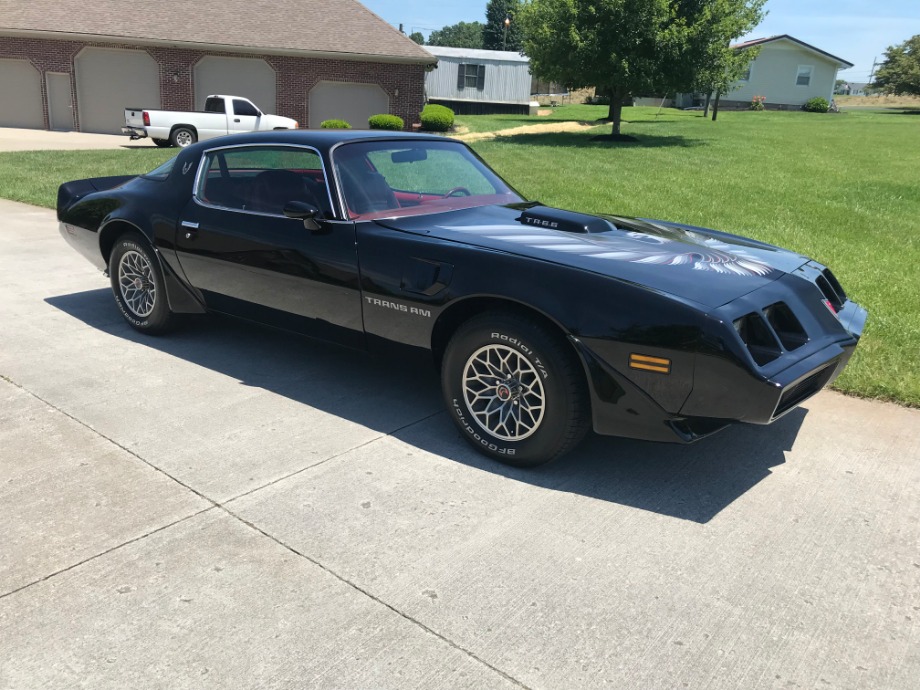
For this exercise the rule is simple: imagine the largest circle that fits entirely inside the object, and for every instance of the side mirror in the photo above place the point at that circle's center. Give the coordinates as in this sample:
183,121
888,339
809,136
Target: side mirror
301,210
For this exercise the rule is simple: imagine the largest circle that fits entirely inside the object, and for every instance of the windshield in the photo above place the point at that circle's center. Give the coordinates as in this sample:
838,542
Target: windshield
383,179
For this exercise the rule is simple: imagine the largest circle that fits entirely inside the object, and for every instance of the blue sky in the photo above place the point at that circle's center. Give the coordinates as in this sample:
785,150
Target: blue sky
856,30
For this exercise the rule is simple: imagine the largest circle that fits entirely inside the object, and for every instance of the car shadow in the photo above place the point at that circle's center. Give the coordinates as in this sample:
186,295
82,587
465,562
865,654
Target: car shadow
693,482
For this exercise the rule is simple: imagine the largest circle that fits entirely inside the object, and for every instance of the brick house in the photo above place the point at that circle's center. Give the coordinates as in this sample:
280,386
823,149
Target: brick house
75,65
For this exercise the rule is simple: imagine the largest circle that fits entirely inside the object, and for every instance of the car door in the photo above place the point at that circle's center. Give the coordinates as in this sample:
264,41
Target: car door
245,117
247,259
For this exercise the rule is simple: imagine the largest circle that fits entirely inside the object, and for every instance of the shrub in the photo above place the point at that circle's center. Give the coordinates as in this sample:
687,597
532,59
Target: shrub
334,124
817,105
757,102
386,122
437,118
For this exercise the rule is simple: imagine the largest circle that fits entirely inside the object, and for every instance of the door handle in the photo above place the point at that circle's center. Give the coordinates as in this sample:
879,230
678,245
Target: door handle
236,120
191,228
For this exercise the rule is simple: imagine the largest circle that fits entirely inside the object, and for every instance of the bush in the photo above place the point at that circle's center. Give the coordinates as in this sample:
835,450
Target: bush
437,118
817,105
334,124
757,102
386,122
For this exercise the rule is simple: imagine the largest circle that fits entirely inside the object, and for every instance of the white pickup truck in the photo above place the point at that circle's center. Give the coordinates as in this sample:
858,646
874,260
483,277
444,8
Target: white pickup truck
221,115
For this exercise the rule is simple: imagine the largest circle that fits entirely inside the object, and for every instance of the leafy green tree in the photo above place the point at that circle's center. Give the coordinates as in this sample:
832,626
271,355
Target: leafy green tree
493,34
417,37
461,35
900,72
634,47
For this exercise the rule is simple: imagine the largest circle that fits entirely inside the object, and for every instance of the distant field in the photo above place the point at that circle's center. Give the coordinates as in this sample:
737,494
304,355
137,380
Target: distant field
878,101
842,188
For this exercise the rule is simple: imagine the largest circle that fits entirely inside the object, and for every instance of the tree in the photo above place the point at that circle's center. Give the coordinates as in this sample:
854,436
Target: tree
417,37
900,72
493,34
634,47
461,35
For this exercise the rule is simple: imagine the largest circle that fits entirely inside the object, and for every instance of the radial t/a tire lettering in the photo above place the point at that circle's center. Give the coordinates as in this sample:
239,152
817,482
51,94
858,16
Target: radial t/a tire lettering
137,282
515,389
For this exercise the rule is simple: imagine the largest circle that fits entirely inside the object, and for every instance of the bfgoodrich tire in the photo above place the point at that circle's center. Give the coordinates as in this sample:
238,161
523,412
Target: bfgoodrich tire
514,389
137,282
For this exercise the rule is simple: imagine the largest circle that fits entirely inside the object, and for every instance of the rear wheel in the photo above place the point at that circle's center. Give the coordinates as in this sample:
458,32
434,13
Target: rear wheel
137,282
162,143
182,137
514,389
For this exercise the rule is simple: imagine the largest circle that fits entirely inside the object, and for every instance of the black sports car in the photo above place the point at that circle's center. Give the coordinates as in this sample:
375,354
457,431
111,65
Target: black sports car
543,322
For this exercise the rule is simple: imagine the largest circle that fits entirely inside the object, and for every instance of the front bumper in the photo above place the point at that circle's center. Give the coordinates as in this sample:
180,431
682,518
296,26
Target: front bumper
724,380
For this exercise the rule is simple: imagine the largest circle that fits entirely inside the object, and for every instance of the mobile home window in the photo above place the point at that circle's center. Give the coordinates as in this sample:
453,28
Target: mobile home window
746,74
803,77
471,76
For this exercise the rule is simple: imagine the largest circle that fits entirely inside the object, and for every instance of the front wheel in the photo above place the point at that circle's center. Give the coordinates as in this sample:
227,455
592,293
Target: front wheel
514,389
182,137
137,282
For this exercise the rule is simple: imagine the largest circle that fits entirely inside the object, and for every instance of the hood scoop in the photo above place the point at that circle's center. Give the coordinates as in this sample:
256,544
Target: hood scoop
567,221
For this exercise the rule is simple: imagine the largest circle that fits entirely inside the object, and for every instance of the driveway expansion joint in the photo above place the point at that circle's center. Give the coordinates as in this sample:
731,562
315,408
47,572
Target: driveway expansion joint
402,614
252,526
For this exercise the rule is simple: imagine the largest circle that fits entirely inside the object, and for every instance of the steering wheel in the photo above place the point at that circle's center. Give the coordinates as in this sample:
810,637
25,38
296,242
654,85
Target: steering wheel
462,191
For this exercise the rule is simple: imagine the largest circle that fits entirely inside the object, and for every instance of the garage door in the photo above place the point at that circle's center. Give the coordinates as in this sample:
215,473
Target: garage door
248,77
20,95
354,103
110,80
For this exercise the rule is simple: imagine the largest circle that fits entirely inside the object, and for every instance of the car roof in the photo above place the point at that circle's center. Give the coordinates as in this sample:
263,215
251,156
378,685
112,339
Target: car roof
321,139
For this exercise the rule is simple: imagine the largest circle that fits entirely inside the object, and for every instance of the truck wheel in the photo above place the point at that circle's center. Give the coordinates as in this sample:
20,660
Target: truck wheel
182,137
137,282
514,389
162,143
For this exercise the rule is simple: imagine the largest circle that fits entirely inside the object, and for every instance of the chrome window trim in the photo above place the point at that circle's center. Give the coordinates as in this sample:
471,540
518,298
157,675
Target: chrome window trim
202,171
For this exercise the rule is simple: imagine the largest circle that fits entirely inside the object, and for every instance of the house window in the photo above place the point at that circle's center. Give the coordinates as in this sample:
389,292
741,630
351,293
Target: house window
746,74
803,77
471,76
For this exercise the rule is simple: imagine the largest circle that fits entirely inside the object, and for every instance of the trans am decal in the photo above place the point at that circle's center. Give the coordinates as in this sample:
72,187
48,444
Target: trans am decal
707,254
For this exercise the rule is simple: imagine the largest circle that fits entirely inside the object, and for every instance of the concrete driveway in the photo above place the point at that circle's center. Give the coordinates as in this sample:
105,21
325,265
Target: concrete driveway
228,507
13,139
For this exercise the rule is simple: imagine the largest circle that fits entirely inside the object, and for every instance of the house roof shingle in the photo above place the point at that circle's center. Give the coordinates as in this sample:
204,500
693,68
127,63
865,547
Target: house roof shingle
787,37
315,27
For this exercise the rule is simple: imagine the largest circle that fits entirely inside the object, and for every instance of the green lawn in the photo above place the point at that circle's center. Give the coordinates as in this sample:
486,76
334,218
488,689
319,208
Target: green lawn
842,188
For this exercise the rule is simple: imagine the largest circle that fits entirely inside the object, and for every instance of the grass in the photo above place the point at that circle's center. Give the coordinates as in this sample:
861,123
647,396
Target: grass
840,188
33,177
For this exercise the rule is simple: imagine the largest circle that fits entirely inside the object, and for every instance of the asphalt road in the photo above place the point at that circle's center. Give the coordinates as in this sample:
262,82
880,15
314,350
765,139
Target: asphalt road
228,507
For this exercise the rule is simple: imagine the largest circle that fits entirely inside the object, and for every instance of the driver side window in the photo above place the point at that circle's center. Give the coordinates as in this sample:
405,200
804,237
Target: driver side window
263,179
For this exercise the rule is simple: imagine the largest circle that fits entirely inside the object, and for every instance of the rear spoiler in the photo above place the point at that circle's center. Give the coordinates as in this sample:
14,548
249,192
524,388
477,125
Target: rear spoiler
70,192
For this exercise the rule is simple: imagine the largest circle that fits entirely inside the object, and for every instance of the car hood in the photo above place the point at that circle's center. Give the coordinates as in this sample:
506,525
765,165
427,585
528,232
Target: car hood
706,266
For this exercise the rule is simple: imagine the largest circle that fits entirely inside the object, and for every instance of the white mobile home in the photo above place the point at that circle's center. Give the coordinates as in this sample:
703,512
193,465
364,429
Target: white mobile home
476,82
787,72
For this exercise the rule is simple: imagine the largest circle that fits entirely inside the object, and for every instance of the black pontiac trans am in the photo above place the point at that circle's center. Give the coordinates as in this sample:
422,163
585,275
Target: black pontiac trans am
544,322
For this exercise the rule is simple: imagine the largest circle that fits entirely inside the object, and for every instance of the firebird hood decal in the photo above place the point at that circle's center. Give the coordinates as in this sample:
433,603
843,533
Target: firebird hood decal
710,254
709,267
